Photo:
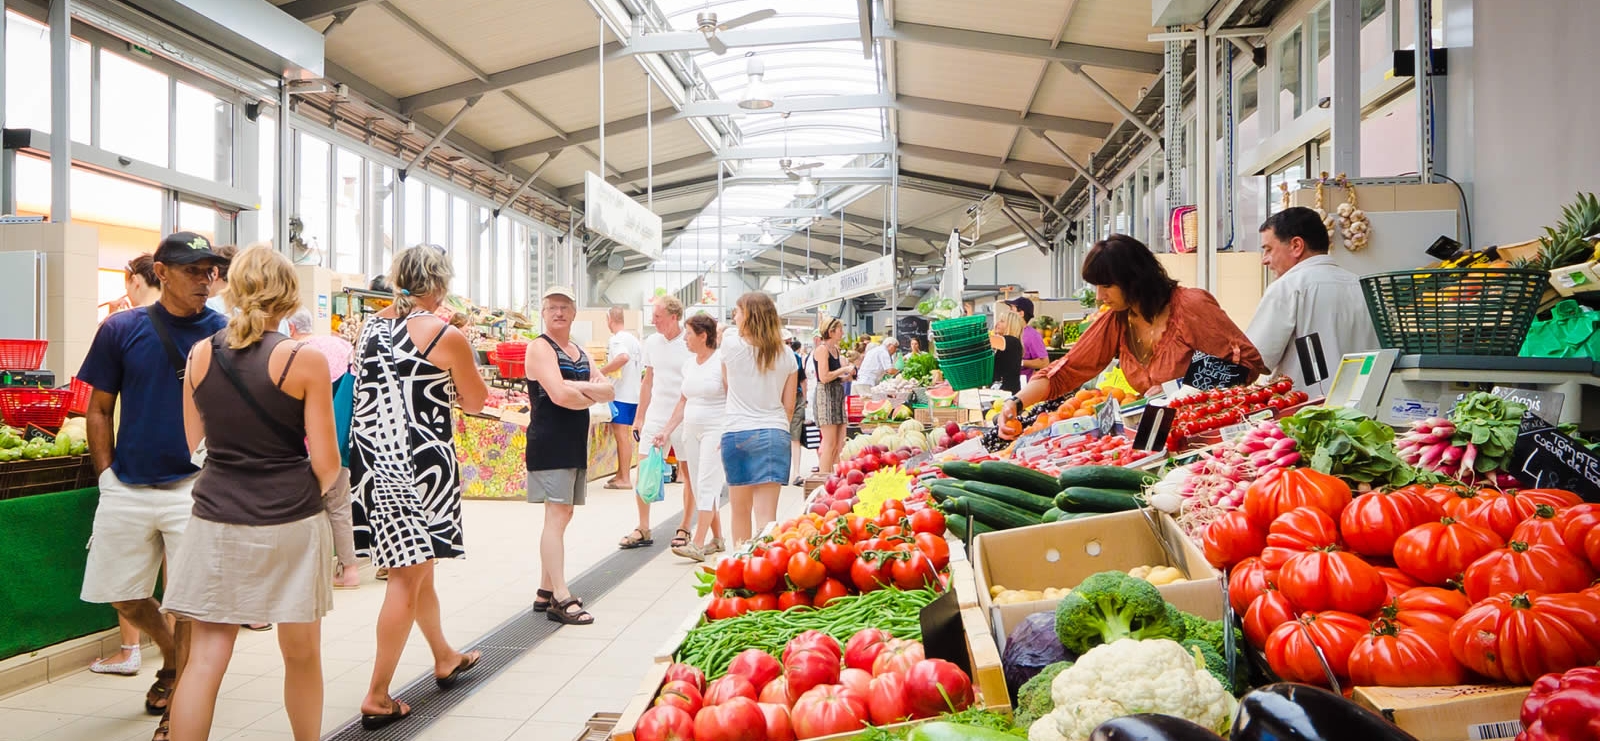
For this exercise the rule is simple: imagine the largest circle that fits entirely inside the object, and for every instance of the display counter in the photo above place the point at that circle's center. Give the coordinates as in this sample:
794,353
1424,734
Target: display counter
491,449
42,542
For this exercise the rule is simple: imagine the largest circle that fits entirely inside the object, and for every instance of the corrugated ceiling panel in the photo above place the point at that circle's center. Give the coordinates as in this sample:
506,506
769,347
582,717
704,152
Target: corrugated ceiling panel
496,122
1030,148
1049,186
974,77
1119,23
572,100
954,133
568,169
914,206
381,50
1034,18
1065,94
673,140
495,34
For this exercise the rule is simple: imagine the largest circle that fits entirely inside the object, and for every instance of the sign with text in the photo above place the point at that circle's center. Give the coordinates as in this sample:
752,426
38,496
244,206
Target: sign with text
1154,426
1546,459
1109,417
1546,404
874,276
1207,372
612,214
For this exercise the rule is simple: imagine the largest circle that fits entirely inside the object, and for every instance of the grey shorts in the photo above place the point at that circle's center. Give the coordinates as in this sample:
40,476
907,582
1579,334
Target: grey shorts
558,486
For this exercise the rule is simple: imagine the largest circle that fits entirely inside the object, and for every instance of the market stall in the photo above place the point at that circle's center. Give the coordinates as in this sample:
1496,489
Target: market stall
491,449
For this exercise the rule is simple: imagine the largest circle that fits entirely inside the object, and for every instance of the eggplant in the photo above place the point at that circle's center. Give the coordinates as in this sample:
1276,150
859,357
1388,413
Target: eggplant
1300,712
1152,727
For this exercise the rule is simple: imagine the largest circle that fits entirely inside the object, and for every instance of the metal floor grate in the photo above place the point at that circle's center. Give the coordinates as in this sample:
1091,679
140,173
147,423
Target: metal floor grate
501,648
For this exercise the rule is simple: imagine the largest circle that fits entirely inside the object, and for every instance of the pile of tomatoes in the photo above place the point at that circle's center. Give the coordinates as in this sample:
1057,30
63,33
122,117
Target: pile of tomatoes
818,688
812,560
1218,408
1419,586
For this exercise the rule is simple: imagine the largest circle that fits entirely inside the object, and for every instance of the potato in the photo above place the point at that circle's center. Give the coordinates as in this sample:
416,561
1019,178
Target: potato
1165,575
995,591
1140,572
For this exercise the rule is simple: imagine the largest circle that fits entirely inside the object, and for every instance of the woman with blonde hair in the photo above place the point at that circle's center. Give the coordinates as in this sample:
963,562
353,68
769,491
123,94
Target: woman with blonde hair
255,548
410,366
755,438
828,404
1007,343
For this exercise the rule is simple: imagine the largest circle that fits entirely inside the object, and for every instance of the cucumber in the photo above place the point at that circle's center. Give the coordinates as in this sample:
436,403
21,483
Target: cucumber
1018,477
960,470
1103,477
957,525
1006,495
1086,499
1050,515
945,490
986,511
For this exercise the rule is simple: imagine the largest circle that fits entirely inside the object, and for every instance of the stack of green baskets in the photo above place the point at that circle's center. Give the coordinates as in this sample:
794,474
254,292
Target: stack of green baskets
962,348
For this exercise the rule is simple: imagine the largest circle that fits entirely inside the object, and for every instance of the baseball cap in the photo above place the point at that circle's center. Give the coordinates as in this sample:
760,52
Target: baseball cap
186,248
562,291
1022,304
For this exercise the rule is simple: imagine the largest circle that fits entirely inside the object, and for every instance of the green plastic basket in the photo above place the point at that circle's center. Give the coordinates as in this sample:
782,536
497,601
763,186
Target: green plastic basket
958,324
970,374
966,354
1472,311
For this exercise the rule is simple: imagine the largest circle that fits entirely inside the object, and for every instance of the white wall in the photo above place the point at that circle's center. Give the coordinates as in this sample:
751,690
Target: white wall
1027,267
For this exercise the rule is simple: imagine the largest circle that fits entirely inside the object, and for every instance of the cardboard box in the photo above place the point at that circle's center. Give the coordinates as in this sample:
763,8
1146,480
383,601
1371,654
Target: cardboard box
1453,713
1062,554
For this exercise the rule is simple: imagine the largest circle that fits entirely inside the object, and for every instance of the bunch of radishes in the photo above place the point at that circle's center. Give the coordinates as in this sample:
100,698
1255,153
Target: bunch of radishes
1429,445
1205,489
1268,448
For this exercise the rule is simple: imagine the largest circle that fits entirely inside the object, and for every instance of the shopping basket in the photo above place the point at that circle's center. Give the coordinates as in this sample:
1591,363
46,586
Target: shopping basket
960,329
46,408
79,403
22,355
974,373
1470,311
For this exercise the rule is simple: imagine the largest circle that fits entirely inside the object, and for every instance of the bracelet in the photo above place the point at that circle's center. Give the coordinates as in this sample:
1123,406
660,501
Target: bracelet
1016,399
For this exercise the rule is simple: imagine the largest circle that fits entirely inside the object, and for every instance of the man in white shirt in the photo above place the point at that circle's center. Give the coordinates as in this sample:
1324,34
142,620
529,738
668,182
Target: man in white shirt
663,358
1311,295
878,362
622,354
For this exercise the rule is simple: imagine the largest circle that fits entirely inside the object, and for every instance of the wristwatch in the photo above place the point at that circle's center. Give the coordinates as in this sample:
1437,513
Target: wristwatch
1014,398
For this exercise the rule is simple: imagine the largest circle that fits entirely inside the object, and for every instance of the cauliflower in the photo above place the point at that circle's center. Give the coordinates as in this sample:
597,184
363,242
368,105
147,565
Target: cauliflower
1127,677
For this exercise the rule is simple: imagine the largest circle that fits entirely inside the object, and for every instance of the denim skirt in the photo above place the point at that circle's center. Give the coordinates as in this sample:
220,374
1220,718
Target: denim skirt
756,457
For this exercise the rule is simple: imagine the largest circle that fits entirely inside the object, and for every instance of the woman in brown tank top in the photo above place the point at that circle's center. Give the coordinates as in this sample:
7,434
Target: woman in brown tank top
256,548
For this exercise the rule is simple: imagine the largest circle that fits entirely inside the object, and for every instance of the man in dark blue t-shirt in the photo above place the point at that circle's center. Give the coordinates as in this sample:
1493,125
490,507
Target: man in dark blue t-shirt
145,467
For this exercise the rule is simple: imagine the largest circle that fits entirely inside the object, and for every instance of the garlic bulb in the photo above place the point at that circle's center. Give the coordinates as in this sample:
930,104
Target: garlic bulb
1357,229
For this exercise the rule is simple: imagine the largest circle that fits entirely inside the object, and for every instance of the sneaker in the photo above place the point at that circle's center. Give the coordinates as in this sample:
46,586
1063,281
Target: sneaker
715,546
690,551
127,668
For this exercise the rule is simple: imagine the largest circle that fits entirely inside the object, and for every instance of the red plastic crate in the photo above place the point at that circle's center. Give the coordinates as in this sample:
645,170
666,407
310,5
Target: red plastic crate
46,408
23,355
509,368
80,397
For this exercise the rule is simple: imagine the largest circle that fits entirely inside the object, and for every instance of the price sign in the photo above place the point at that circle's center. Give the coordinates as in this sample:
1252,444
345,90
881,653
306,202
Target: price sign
1545,404
1154,427
35,432
1073,426
1233,432
1208,372
1109,417
1545,458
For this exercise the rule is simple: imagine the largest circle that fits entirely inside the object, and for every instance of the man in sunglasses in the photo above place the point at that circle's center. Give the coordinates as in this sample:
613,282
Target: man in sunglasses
145,465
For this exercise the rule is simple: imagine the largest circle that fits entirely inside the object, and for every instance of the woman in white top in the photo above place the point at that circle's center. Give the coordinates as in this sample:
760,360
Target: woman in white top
700,410
755,443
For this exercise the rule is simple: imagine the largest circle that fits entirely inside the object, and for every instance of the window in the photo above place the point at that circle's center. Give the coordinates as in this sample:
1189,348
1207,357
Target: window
416,214
1323,28
381,217
504,264
1289,79
459,246
1376,46
267,177
28,78
1290,176
1247,126
206,221
483,291
347,189
133,102
520,277
313,189
205,134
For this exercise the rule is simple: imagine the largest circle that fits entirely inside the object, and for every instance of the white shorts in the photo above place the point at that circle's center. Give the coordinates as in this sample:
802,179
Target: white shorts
652,427
702,449
134,528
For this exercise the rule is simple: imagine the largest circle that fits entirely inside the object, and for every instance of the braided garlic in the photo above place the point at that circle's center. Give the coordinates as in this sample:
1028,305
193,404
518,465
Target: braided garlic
1357,230
1327,218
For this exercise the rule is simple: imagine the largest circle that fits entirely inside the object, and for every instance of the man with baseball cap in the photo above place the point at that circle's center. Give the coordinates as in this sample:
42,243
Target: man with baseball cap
1034,354
145,466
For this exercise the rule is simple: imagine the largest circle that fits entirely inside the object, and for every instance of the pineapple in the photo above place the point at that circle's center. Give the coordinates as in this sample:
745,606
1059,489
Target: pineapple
1568,242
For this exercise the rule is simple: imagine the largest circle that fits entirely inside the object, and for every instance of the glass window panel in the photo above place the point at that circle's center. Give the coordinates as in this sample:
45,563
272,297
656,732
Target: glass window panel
347,212
438,216
133,104
313,189
1389,139
28,78
483,291
460,247
206,221
416,214
1324,31
382,217
1289,78
205,134
504,265
266,177
1247,124
1376,49
520,277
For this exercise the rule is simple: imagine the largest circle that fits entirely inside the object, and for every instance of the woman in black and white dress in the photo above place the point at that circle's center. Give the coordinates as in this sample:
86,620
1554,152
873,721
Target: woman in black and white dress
410,366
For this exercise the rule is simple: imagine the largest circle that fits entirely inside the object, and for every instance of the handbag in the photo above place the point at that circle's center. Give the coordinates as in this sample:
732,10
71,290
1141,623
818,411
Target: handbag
1572,331
344,409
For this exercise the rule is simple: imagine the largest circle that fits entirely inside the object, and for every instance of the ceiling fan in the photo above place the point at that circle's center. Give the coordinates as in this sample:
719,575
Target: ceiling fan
707,23
796,172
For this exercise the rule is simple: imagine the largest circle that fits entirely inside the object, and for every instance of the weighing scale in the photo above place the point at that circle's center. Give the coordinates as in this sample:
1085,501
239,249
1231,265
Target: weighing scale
1399,389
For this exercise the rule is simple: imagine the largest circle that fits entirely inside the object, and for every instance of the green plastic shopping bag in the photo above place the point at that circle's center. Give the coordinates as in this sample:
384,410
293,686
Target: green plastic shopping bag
652,473
1572,331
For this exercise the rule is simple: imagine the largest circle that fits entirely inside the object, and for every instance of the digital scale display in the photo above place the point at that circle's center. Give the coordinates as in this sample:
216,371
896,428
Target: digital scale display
1359,380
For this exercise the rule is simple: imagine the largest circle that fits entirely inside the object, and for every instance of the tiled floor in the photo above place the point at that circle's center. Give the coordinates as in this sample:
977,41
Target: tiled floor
546,696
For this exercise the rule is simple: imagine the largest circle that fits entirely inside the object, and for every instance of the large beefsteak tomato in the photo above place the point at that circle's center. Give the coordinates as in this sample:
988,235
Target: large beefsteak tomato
1427,608
1248,579
935,686
863,648
682,695
807,669
828,709
898,656
1395,656
1543,527
1372,523
1231,538
1436,552
779,728
814,640
1297,531
1265,614
776,691
1519,567
739,719
1575,524
1287,488
730,686
1398,581
1501,514
1517,638
1320,580
665,723
886,699
1591,547
1292,647
756,665
688,673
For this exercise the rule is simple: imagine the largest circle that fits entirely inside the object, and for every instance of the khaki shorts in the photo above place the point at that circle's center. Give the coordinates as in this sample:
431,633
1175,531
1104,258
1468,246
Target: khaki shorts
558,486
134,528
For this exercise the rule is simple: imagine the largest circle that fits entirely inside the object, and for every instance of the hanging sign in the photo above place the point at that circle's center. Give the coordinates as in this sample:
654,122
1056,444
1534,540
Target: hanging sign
870,277
612,214
1313,366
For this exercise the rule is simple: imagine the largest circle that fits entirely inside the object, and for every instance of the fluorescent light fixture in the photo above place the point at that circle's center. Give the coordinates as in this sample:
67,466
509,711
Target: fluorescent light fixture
756,97
806,188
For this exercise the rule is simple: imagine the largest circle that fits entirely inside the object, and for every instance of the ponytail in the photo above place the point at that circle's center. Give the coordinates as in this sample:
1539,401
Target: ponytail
262,285
422,270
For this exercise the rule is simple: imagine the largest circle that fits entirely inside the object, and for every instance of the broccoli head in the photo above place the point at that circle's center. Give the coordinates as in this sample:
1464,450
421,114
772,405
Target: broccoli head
1210,631
1215,664
1111,605
1033,699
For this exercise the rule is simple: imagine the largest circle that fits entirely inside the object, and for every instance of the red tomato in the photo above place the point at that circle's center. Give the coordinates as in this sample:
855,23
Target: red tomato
1264,615
756,665
1517,638
863,648
762,574
912,571
856,679
1318,580
730,686
1231,538
898,656
1291,648
857,527
1519,567
890,531
779,728
1393,656
870,572
681,695
762,602
1575,524
721,608
1436,552
830,590
1502,513
1297,531
1248,579
1591,547
928,520
936,548
792,599
826,710
1397,581
1543,527
935,686
739,719
1288,488
886,699
665,723
776,691
837,558
1372,522
814,640
806,572
730,573
1439,494
1427,608
687,673
807,669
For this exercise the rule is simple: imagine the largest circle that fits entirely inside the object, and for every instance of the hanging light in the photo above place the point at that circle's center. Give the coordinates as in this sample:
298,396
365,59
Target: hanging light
767,240
806,188
756,97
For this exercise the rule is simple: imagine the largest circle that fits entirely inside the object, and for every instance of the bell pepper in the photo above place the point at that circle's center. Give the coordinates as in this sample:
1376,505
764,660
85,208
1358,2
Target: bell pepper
1563,707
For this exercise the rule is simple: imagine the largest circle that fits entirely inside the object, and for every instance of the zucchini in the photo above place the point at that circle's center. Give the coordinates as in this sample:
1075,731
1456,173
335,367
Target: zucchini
1006,495
945,490
1103,477
960,470
1086,499
1051,515
1018,477
999,516
957,525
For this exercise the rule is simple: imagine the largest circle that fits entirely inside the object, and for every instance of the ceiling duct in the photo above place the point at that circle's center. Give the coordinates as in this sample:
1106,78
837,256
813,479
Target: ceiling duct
253,30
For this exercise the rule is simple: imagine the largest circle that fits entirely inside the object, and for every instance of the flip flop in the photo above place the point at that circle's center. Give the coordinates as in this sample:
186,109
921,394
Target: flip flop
375,721
468,660
618,487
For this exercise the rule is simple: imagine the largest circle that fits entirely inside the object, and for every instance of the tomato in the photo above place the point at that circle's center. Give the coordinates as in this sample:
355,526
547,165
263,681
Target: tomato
792,599
936,548
898,656
870,572
737,720
1247,581
730,686
913,571
837,558
1297,531
935,686
779,727
1282,386
928,520
889,532
1320,580
1517,638
1519,567
807,669
1436,552
1427,608
886,699
869,545
863,648
665,723
1396,656
1591,547
814,640
681,695
1374,520
858,527
1543,527
1288,488
1397,581
776,691
1264,615
756,665
806,572
687,673
762,574
1231,538
763,602
1292,647
1575,524
830,590
856,679
721,608
730,573
826,710
1501,512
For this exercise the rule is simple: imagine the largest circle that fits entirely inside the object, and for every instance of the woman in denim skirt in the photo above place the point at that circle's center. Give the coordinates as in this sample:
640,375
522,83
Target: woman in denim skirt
755,444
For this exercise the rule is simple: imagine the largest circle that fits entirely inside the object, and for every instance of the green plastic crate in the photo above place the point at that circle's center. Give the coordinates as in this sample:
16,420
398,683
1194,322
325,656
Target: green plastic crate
1472,311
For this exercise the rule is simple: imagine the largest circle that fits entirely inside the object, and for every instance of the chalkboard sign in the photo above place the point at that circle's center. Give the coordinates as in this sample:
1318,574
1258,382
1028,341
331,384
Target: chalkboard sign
1154,426
1208,372
1544,458
1109,417
1546,404
35,432
1313,365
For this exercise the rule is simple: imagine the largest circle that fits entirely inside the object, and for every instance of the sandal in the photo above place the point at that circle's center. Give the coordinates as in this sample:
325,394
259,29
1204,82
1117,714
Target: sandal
468,660
561,612
382,574
375,721
163,729
618,486
257,627
543,598
690,551
638,538
715,546
129,668
680,538
159,697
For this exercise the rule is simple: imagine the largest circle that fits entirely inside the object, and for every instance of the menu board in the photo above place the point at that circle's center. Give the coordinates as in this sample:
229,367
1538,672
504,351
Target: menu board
1208,372
1545,458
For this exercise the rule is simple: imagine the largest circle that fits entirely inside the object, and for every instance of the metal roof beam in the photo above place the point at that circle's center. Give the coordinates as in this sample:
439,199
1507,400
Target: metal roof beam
864,21
1004,117
631,176
969,159
507,78
438,138
701,109
583,136
306,11
694,41
1070,160
1021,46
1112,101
806,150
